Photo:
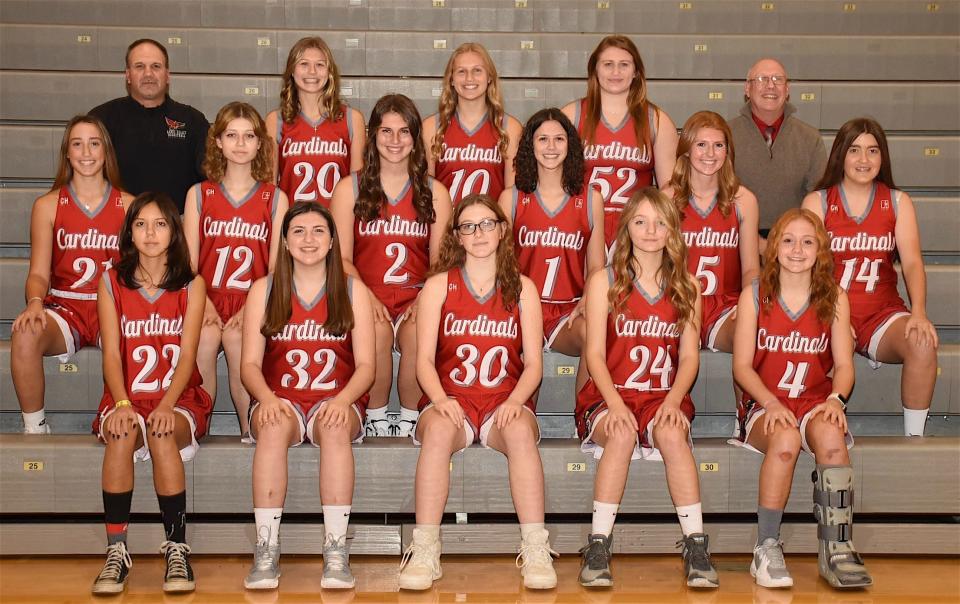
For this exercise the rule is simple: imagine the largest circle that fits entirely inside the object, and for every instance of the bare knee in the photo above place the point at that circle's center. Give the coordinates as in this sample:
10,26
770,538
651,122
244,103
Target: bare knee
440,433
785,446
519,434
24,344
833,456
331,436
670,439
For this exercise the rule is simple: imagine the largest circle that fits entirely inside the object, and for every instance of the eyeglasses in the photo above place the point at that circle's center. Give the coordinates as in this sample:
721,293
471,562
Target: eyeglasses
776,80
469,228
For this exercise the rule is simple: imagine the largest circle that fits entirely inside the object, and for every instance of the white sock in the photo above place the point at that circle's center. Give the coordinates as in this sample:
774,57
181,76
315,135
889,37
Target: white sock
691,518
268,524
604,515
529,527
335,520
377,414
34,420
409,415
913,421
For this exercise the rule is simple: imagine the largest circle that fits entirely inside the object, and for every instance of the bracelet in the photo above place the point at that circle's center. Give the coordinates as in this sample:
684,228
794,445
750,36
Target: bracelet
124,402
839,398
34,298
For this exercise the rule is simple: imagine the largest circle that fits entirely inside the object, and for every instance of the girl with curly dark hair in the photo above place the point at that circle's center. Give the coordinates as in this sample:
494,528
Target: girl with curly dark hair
391,216
557,226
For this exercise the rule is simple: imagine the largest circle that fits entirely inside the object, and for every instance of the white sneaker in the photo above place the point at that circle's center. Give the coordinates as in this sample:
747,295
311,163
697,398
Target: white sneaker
420,565
43,428
535,561
768,566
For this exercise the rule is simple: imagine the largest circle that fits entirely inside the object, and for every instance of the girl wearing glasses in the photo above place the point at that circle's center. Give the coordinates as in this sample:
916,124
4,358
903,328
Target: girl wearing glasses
719,223
479,359
872,223
557,226
471,141
643,353
629,143
390,216
319,138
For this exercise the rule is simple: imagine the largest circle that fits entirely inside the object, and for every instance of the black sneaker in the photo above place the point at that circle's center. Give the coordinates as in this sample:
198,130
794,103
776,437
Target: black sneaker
696,561
179,575
113,577
595,567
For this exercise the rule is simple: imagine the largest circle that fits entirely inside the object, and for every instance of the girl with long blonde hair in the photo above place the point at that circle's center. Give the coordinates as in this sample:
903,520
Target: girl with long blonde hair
231,221
479,359
643,354
319,138
793,358
471,140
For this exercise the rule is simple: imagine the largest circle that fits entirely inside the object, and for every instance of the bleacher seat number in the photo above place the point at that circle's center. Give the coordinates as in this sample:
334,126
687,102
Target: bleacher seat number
566,370
577,466
709,466
33,466
69,368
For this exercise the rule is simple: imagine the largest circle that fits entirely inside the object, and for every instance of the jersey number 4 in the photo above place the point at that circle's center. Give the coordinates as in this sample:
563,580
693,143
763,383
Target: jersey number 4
793,378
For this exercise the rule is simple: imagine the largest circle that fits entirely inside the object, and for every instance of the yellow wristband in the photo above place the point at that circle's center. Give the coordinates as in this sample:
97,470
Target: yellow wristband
122,403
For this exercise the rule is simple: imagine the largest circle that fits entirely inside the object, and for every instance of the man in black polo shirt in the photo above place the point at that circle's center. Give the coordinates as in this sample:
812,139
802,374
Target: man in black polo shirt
160,142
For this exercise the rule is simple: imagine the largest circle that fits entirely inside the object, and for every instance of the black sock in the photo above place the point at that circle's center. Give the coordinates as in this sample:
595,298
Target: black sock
116,511
173,512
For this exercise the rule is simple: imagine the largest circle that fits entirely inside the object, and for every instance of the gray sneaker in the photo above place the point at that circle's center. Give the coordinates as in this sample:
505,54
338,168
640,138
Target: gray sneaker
336,564
265,572
768,567
595,567
696,561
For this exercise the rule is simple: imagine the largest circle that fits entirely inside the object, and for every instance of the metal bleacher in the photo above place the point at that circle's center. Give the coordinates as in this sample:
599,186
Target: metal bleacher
896,60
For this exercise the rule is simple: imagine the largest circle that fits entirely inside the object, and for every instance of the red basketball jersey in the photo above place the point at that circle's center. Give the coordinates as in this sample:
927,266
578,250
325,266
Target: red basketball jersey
643,348
85,243
235,235
150,331
470,161
615,161
392,251
552,246
313,156
863,246
303,362
479,343
713,248
793,355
